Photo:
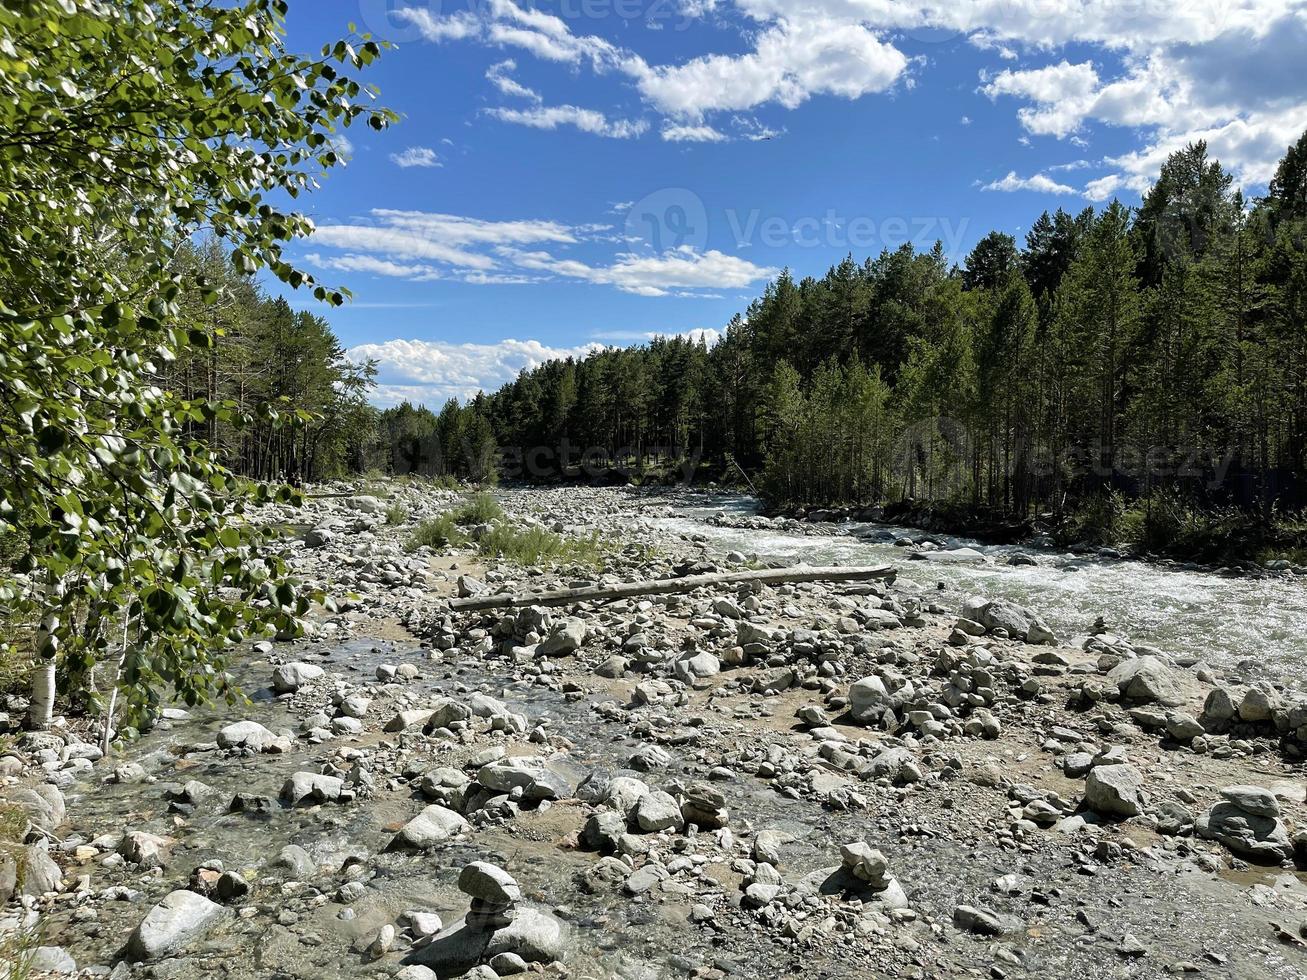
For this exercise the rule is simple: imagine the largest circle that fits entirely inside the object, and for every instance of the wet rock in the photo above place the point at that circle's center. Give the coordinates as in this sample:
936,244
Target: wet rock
253,737
172,925
432,826
308,788
1115,790
289,678
296,860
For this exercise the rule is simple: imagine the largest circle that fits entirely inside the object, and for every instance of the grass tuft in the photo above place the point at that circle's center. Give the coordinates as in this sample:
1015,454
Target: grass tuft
396,514
536,546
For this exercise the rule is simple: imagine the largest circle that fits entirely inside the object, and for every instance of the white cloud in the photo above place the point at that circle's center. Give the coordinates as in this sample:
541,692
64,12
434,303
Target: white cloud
409,236
372,265
586,120
1039,183
424,246
790,63
668,274
708,335
416,156
692,134
454,27
432,372
499,77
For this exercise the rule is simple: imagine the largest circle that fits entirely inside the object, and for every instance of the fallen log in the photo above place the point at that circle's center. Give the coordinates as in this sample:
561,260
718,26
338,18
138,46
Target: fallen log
668,586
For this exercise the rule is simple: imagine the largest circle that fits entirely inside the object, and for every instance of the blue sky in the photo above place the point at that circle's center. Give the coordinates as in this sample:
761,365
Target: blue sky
580,172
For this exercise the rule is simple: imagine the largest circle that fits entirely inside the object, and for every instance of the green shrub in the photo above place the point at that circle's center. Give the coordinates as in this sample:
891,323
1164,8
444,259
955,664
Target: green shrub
1100,520
437,532
480,508
396,514
535,546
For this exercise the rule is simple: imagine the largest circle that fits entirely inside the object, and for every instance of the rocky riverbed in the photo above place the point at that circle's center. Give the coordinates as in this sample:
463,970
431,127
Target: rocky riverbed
815,780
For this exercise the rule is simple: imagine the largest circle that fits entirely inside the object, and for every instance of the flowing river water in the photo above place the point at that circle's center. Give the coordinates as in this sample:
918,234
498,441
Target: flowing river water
1255,627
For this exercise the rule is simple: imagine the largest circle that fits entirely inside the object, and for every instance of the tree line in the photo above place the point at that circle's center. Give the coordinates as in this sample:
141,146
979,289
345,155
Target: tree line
1147,352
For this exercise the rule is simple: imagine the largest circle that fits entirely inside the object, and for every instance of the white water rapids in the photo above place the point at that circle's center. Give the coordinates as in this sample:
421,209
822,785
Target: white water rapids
1242,625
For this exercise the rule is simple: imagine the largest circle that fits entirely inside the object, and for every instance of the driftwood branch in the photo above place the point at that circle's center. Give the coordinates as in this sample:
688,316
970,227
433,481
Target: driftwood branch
667,586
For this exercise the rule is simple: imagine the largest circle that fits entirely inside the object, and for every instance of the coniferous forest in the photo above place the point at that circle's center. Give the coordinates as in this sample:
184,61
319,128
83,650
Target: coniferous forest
1144,365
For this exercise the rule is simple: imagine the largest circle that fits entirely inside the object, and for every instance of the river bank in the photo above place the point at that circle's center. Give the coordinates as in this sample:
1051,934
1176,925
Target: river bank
818,780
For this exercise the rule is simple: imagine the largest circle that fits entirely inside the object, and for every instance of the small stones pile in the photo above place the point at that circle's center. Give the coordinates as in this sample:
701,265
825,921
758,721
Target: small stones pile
494,896
1248,822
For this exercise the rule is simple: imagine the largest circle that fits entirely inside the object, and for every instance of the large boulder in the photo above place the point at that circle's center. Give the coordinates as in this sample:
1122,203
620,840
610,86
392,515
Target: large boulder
1256,836
309,788
565,637
1147,680
534,936
289,678
432,826
253,737
42,805
1115,790
172,925
870,700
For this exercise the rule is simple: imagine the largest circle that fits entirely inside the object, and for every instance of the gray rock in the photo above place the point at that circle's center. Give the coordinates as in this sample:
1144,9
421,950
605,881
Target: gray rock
1257,838
1147,679
172,925
296,860
658,811
43,805
1115,790
869,700
308,788
533,936
289,678
8,877
52,959
252,736
489,883
39,872
983,922
565,637
1253,799
432,826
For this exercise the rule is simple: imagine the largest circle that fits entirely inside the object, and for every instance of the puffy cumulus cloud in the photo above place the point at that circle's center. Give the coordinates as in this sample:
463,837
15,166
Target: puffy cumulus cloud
586,120
432,372
676,272
1118,24
791,62
1039,183
416,156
